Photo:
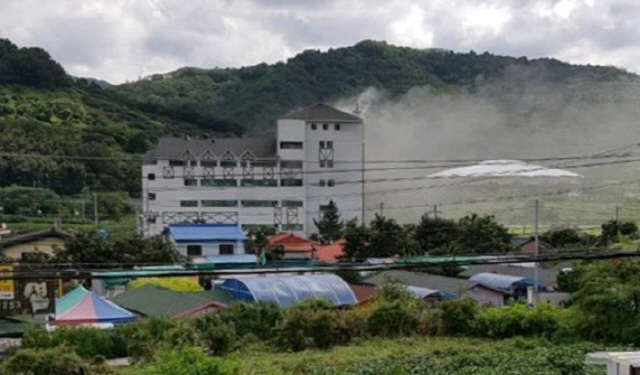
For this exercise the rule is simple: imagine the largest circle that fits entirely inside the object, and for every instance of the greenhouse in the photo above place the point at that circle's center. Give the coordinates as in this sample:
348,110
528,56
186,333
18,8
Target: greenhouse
286,290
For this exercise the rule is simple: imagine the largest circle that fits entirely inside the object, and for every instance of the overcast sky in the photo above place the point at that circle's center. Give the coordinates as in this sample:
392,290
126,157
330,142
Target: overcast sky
120,40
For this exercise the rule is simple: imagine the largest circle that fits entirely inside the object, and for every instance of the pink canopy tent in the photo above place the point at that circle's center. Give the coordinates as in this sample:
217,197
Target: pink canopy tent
91,309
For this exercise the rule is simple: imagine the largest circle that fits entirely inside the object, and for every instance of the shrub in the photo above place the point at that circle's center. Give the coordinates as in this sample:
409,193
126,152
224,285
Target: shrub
55,361
311,323
393,318
178,284
220,339
516,320
186,361
456,316
182,335
258,319
86,342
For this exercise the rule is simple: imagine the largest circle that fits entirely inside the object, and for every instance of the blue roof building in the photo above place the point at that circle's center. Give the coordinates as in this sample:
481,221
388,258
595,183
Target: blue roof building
197,240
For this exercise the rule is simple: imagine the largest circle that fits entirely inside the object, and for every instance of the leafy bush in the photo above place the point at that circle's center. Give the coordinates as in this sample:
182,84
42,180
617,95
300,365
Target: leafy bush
258,319
393,318
86,342
311,323
220,339
517,320
54,361
456,316
185,361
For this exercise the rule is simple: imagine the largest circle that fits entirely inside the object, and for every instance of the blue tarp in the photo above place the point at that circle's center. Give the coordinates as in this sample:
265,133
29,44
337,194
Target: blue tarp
285,290
206,232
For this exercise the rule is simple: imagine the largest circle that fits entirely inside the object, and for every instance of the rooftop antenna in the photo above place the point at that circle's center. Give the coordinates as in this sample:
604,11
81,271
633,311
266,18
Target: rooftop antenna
357,110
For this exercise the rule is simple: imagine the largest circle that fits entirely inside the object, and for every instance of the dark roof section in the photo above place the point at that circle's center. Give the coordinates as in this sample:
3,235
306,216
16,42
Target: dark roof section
546,275
33,236
175,147
321,112
419,279
151,300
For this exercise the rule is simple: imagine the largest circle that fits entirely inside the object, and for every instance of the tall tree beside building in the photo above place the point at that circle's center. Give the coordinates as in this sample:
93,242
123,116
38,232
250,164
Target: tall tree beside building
330,226
435,235
481,235
387,237
356,238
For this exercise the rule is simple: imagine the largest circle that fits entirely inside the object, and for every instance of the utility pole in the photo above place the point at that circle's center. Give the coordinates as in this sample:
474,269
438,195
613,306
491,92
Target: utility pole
435,211
617,222
381,208
95,209
82,202
537,249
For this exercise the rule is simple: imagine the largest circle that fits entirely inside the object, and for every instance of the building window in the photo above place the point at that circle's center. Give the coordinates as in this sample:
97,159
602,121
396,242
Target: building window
291,204
193,163
218,203
291,145
151,176
151,219
189,203
325,126
331,182
324,208
259,203
194,250
190,182
322,183
228,163
248,227
151,196
314,126
293,227
336,126
209,163
291,164
291,182
218,183
329,145
226,249
259,183
176,163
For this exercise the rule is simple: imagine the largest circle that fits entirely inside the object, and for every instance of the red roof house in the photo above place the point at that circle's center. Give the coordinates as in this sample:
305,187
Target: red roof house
295,247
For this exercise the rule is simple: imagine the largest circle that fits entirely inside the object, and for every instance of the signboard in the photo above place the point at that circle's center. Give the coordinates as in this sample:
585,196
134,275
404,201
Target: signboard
6,286
26,296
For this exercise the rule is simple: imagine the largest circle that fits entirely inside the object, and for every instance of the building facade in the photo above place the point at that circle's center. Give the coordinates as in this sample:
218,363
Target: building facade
283,182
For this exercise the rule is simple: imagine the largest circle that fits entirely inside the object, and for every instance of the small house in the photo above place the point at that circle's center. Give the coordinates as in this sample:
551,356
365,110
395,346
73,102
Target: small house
496,289
197,240
16,246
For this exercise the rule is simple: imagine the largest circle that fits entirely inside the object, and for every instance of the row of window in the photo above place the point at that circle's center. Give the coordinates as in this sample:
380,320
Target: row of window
314,126
234,203
223,249
229,182
227,163
284,227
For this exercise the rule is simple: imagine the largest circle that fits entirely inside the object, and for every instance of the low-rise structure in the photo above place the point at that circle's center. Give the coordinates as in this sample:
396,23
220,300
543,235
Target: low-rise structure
46,242
197,240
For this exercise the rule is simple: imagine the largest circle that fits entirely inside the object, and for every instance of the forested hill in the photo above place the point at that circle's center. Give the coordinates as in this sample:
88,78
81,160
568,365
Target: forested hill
43,111
254,96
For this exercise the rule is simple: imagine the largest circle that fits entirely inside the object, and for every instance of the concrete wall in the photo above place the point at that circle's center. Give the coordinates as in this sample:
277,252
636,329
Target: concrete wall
45,245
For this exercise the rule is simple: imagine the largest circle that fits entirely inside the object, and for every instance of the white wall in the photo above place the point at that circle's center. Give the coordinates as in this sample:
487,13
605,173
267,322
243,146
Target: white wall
210,248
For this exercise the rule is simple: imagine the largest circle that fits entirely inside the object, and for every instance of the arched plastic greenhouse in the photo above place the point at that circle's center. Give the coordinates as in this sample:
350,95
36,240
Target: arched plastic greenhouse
285,290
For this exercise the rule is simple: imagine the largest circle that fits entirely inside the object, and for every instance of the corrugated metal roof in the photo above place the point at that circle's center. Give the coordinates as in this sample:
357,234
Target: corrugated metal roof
175,148
321,112
495,280
420,279
206,232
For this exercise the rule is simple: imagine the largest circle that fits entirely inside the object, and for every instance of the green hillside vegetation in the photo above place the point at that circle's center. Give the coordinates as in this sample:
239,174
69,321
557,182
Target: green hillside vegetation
253,97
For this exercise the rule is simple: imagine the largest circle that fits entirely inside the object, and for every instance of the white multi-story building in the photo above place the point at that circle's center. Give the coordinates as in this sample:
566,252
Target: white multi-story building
316,157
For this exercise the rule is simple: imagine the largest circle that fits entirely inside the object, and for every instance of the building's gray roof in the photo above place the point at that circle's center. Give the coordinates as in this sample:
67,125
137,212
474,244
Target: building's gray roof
33,236
321,112
175,147
420,279
547,276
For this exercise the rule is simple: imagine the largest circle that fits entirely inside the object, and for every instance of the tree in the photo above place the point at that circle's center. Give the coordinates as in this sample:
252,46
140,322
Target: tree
562,237
613,229
89,247
258,240
356,238
435,234
330,226
481,235
386,238
608,301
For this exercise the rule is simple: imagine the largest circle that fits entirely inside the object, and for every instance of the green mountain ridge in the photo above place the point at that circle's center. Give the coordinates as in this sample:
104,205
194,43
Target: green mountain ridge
44,112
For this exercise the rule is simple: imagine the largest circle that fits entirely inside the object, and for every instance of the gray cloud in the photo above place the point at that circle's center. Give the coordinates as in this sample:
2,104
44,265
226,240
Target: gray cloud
120,40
